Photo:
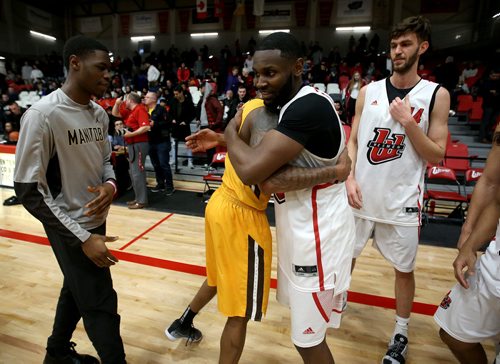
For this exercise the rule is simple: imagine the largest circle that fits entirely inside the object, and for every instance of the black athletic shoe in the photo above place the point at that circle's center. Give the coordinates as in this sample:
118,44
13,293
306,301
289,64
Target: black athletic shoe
158,188
169,191
176,331
72,358
397,351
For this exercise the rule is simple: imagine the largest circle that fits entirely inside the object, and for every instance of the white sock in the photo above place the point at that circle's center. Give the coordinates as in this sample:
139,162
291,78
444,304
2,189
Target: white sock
401,326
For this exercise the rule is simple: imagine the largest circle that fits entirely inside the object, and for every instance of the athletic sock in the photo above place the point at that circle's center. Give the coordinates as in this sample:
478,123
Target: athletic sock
401,326
187,317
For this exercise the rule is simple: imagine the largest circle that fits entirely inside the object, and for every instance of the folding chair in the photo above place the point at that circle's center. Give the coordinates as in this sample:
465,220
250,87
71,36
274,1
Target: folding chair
213,178
449,203
320,86
457,157
471,177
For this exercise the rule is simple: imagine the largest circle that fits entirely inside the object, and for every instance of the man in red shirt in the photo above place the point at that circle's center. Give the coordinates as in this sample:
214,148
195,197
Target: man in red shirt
136,136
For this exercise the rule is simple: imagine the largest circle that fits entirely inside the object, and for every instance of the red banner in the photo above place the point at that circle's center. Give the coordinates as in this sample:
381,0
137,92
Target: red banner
125,23
184,19
325,12
163,21
301,13
219,8
201,9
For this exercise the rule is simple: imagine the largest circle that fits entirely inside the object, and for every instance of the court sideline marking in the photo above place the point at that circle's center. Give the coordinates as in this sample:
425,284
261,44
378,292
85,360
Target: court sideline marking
355,297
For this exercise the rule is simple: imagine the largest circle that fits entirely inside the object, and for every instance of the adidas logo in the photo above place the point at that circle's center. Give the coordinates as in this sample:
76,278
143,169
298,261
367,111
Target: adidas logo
308,331
374,103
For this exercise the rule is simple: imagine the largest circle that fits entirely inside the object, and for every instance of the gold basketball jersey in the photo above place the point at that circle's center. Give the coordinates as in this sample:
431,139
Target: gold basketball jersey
249,195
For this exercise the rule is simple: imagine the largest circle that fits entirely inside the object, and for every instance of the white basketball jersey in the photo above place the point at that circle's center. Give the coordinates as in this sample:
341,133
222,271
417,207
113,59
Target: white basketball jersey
389,170
315,226
489,264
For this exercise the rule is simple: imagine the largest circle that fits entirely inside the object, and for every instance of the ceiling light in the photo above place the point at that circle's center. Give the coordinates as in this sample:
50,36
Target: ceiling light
214,34
353,29
41,35
142,37
263,32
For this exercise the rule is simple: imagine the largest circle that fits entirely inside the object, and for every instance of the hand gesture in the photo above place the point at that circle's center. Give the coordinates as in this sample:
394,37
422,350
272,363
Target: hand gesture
465,259
101,203
354,193
400,110
95,249
202,140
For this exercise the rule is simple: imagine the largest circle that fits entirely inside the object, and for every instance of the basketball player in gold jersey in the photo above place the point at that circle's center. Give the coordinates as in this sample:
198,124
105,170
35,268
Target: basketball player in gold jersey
238,237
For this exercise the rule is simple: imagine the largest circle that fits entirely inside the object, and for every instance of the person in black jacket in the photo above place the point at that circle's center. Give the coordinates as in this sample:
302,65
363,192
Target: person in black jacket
182,112
159,144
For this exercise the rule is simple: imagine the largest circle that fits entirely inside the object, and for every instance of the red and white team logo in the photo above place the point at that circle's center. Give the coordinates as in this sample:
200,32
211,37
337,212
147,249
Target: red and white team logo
446,302
385,146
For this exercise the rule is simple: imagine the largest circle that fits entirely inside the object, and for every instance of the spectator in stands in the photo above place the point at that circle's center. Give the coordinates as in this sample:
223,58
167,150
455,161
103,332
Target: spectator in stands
489,89
121,164
340,111
233,80
136,137
14,114
10,135
36,74
26,73
351,94
469,71
226,104
248,64
237,102
182,113
447,75
210,113
199,67
183,73
159,144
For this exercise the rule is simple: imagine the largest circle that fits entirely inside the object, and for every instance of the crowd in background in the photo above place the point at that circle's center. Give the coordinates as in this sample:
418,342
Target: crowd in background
230,76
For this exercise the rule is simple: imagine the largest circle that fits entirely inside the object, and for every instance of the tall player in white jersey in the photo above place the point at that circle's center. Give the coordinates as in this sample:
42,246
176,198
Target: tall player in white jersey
315,226
400,124
470,312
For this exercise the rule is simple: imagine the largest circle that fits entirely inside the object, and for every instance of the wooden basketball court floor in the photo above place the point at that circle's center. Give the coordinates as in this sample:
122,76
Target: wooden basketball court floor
161,267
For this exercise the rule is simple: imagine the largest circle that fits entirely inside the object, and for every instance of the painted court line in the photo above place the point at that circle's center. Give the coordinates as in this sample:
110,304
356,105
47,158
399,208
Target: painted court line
145,232
356,297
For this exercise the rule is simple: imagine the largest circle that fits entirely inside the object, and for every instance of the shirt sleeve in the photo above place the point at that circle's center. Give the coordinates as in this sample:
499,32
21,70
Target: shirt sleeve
312,122
34,152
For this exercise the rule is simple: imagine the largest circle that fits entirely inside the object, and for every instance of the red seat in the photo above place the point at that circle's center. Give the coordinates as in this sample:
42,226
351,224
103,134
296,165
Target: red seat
459,154
343,81
213,178
476,112
464,103
471,177
455,202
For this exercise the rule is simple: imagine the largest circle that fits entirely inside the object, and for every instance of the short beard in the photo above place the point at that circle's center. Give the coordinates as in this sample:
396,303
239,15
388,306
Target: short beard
408,65
283,96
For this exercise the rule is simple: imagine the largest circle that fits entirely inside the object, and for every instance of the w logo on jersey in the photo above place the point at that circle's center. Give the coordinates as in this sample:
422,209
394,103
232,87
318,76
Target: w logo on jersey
385,147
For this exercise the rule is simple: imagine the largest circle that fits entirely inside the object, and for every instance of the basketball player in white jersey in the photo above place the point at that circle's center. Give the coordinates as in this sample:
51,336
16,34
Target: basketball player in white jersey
470,312
315,226
400,124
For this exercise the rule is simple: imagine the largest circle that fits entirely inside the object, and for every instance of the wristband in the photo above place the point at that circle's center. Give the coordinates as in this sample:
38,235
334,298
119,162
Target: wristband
113,183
